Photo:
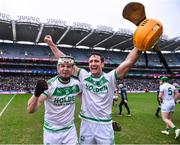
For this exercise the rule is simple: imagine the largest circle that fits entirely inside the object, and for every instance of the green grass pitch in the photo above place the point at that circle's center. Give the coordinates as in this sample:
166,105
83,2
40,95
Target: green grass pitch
19,127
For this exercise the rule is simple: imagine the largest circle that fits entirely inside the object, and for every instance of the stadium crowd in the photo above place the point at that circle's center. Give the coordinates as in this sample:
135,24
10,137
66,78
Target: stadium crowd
26,83
141,84
19,83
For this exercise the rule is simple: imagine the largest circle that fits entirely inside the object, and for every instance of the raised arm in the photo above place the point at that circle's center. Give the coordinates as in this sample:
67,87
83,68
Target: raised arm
126,65
48,40
57,53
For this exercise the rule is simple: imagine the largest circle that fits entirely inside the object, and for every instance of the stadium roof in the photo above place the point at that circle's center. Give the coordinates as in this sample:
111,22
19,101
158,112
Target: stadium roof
30,29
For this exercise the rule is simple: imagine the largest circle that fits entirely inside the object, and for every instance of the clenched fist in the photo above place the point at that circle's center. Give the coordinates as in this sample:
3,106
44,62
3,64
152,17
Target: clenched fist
41,86
48,40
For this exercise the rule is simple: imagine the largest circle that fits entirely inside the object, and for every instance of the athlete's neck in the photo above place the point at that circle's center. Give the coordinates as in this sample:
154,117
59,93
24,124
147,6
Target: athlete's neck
64,80
98,75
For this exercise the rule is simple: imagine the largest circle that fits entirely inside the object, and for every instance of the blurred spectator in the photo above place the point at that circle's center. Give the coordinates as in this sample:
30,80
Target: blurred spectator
26,82
124,99
115,97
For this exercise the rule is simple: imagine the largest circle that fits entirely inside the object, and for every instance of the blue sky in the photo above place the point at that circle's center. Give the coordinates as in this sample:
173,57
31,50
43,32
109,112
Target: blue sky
96,12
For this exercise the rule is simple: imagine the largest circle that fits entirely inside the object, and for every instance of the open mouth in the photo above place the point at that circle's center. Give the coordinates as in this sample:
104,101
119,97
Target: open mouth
94,68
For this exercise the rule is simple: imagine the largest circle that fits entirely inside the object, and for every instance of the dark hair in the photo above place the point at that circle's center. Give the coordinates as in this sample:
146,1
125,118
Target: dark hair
97,53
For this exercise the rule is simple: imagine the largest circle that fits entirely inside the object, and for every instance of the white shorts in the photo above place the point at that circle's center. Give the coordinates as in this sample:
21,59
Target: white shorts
94,133
168,106
68,136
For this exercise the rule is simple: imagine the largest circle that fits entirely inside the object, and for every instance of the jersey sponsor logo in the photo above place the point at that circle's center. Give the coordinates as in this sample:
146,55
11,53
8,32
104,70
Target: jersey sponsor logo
66,91
96,86
64,100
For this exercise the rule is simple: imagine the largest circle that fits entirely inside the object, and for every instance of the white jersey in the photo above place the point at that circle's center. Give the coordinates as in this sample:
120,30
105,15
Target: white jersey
60,104
168,91
97,96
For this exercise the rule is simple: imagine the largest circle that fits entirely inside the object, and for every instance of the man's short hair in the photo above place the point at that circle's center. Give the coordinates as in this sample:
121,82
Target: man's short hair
66,59
97,53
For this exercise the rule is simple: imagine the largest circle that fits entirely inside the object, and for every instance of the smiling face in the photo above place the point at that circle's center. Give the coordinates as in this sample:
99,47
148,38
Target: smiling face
65,67
65,70
96,65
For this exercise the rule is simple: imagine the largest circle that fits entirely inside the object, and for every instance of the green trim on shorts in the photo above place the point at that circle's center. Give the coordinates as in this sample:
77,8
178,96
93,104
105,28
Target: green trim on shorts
94,119
55,130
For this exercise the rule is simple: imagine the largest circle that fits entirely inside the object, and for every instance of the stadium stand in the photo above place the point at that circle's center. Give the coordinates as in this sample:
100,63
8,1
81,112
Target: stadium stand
24,57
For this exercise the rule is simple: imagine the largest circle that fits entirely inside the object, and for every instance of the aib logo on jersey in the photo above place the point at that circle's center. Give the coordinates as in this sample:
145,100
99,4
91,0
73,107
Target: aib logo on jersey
96,86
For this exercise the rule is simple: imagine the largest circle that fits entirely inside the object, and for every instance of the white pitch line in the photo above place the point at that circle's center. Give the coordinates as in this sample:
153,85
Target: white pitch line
1,113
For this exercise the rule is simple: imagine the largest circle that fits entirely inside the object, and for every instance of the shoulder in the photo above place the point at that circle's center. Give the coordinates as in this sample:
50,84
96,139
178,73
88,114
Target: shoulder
82,71
74,79
162,87
52,80
111,74
172,86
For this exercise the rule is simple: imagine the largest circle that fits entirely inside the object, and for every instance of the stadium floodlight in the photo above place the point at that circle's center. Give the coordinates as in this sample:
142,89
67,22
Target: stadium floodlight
102,28
5,17
81,25
56,22
28,19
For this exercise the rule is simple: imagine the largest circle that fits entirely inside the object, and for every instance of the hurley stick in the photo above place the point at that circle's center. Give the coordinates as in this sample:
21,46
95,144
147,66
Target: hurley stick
135,13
